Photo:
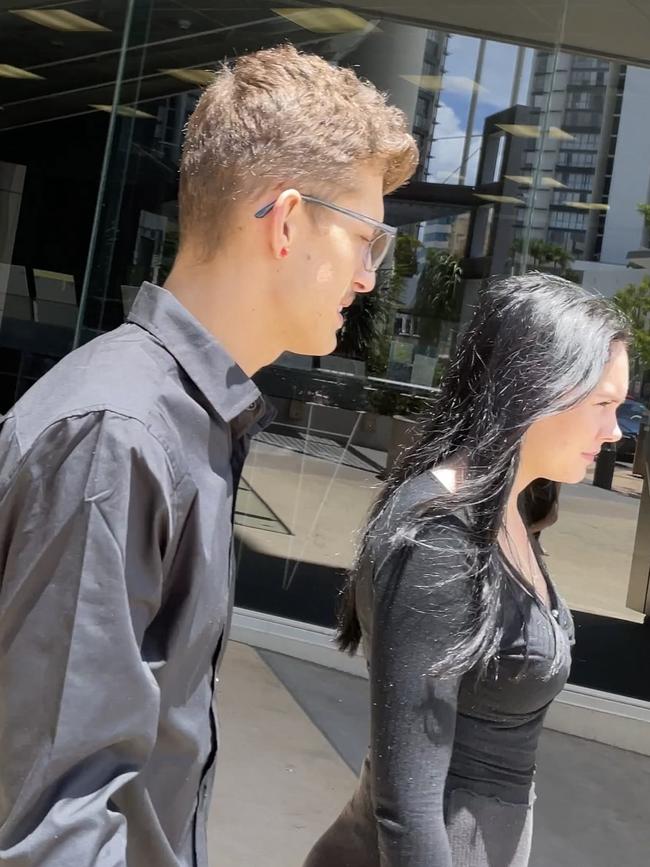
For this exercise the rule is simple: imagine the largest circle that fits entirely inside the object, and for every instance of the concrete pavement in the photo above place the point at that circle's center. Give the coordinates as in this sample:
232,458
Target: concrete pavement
292,737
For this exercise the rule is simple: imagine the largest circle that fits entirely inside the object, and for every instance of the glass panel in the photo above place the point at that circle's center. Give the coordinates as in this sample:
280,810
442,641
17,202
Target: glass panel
341,419
531,157
52,144
582,220
313,474
594,230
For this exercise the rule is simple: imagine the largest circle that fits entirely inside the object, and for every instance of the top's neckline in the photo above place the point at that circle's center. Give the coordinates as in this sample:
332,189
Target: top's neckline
552,607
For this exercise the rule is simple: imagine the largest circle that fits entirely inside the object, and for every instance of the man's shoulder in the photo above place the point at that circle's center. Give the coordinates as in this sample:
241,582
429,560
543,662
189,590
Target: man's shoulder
83,448
124,374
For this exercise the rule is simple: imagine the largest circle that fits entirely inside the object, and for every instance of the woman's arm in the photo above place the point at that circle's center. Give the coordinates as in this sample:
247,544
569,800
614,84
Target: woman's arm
420,606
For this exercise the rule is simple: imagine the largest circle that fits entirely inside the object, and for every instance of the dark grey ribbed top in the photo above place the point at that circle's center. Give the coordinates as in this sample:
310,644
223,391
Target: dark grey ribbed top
431,735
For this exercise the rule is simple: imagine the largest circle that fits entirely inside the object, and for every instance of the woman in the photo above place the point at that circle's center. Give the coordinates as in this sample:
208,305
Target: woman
467,639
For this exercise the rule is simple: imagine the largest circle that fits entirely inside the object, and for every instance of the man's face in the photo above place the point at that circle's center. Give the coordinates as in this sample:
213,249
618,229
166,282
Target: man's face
325,266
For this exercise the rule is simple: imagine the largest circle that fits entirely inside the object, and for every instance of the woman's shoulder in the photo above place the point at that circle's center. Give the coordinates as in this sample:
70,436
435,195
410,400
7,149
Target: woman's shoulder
416,491
418,519
419,496
425,542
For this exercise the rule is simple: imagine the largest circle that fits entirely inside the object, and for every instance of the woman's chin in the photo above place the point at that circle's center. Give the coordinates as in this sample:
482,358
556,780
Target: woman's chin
579,474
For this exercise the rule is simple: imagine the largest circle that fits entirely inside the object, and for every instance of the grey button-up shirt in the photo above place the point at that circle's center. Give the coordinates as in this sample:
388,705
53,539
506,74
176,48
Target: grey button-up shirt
118,474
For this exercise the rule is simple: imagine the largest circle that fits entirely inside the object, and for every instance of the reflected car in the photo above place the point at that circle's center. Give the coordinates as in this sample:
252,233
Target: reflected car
630,415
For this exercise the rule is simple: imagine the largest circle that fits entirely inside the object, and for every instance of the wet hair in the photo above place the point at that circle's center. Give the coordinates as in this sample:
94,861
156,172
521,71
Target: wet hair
536,345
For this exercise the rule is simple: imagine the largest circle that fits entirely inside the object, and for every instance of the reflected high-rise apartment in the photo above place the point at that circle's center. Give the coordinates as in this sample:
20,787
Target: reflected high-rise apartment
591,209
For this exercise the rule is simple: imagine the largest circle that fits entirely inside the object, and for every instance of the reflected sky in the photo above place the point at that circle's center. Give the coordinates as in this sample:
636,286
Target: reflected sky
496,86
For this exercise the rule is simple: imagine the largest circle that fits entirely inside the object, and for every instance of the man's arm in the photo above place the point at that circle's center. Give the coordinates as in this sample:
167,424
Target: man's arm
85,517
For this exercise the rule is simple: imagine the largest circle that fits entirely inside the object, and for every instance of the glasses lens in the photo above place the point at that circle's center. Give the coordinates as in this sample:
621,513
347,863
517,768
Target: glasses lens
379,250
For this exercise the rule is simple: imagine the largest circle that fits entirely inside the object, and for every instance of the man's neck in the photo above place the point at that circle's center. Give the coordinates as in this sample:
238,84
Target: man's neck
223,299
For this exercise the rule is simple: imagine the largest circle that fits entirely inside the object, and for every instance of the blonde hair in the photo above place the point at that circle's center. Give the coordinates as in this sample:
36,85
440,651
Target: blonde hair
281,116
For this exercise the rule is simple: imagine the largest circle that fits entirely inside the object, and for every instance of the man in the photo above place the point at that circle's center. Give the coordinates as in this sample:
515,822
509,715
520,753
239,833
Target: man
119,469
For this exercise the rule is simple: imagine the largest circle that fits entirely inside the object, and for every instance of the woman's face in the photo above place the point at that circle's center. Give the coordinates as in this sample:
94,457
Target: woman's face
561,447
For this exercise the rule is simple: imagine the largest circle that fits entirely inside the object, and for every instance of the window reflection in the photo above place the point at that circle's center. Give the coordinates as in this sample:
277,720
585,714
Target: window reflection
530,158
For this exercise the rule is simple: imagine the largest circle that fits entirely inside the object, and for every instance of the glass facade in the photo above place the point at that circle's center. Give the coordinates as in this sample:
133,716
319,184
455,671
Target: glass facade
534,154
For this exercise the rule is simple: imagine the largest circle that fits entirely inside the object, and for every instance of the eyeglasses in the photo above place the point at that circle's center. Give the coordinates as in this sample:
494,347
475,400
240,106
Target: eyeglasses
379,244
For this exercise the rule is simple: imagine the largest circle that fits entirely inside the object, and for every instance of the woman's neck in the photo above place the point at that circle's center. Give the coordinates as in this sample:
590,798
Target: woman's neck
512,518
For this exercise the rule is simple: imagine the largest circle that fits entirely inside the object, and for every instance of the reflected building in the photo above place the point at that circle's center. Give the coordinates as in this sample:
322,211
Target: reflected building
591,166
578,100
407,63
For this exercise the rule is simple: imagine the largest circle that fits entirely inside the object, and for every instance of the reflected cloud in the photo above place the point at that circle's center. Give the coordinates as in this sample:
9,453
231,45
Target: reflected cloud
447,149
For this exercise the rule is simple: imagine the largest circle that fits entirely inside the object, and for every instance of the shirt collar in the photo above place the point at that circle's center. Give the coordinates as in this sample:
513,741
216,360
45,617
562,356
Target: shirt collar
224,384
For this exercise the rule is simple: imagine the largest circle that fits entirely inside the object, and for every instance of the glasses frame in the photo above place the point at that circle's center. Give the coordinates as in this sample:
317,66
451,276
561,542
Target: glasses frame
383,229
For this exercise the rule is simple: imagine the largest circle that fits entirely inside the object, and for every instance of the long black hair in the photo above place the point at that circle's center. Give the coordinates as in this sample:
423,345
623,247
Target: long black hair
536,345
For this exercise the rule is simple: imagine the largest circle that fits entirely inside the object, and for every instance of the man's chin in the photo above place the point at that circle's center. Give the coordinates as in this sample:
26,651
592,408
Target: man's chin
316,346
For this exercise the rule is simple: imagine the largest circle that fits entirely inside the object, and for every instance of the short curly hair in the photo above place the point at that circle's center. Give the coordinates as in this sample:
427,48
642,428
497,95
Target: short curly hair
282,116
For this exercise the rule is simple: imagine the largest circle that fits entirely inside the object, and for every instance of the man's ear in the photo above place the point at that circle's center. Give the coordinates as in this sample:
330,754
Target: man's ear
283,222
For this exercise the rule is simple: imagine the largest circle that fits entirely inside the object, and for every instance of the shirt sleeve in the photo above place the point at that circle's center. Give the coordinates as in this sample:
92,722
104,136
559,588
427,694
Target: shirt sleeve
85,519
419,607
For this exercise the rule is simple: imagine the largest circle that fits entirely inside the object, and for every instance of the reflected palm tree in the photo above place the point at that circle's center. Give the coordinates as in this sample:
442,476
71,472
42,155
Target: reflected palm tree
546,257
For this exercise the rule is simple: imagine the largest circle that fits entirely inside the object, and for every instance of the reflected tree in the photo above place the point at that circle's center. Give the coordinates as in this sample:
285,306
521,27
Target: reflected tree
634,301
644,210
438,298
545,257
368,326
